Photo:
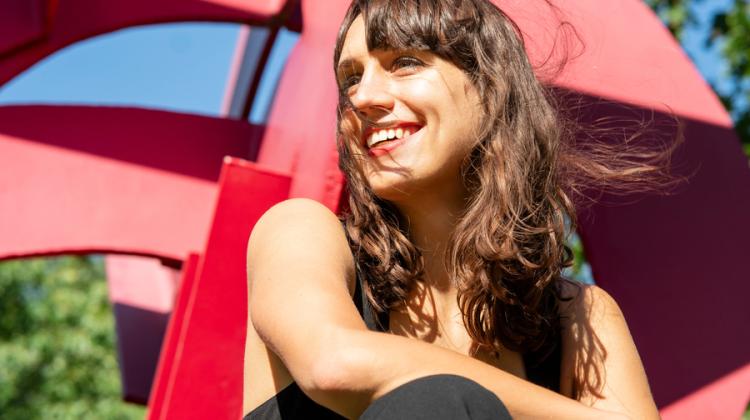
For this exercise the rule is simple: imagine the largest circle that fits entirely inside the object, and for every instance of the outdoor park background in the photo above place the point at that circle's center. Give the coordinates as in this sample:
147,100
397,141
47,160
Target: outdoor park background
57,356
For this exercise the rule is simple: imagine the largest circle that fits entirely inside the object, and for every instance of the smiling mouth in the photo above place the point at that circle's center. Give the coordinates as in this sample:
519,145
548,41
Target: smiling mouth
378,137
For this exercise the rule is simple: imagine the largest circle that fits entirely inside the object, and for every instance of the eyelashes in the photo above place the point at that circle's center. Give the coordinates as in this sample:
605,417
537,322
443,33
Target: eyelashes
348,82
406,62
401,66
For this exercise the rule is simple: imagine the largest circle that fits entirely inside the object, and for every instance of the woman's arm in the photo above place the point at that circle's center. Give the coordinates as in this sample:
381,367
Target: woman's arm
301,278
600,363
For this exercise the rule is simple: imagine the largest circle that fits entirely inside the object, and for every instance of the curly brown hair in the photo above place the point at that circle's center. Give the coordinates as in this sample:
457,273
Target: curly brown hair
523,175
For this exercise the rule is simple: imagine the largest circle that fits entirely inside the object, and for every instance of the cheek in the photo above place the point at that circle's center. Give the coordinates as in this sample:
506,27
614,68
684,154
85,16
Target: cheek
459,139
468,125
420,96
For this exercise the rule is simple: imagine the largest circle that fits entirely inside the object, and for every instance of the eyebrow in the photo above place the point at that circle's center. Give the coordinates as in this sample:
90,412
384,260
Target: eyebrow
350,62
343,65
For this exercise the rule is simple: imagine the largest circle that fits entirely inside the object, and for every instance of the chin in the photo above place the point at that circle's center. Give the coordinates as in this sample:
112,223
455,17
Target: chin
390,187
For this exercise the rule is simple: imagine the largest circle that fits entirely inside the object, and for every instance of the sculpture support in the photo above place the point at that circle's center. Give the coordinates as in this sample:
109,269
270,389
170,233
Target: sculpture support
675,264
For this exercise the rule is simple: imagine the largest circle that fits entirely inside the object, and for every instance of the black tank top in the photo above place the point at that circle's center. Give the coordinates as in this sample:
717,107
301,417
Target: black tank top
292,404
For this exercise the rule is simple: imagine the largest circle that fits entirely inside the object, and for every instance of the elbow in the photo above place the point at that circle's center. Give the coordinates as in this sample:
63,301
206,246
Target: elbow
335,360
326,374
341,380
338,369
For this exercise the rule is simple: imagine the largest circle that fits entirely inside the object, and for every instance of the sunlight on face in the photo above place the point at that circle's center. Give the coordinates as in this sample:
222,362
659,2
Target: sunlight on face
422,113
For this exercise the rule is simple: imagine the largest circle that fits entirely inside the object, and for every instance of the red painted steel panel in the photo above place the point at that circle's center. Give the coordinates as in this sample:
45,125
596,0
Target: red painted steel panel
21,23
205,379
142,292
620,51
75,20
110,180
300,133
718,400
161,389
672,263
142,282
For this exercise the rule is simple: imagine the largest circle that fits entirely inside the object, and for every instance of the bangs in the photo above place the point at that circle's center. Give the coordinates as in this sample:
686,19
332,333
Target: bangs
449,29
402,25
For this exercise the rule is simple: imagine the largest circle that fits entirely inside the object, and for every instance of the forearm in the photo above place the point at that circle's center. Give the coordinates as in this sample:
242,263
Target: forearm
367,365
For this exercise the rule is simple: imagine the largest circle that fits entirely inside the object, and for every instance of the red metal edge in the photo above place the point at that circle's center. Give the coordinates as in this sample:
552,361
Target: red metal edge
160,390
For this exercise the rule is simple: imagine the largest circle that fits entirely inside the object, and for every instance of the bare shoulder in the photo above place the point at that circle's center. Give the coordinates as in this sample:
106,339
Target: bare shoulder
600,363
299,231
298,213
301,219
585,302
300,274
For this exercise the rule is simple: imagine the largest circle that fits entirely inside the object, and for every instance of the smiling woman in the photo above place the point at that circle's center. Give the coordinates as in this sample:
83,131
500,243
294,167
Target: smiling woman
442,295
417,92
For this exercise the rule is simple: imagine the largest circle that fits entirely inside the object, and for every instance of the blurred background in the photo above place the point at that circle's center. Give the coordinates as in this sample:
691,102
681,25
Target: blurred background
57,337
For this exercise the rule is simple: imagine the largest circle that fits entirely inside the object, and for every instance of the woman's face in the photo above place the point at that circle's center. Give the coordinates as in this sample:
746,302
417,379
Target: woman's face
426,112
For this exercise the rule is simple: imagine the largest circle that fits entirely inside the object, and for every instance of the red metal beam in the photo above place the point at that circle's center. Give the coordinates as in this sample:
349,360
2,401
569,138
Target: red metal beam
166,371
142,293
201,368
674,264
75,20
300,131
22,23
79,179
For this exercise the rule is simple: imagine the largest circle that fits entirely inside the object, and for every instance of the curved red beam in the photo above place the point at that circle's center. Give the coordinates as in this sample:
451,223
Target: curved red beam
78,179
673,263
644,253
299,136
22,23
52,25
660,257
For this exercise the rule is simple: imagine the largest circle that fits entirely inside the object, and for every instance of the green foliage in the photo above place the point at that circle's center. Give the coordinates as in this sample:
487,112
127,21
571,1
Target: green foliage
731,28
57,354
580,271
674,13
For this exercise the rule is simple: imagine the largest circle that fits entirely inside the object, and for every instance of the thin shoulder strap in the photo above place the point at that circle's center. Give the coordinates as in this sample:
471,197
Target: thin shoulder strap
374,322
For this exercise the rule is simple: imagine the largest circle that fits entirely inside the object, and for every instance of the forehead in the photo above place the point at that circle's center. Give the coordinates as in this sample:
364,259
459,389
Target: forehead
355,41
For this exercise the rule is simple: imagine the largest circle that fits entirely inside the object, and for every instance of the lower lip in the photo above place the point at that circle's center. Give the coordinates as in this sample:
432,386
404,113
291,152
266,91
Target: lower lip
388,147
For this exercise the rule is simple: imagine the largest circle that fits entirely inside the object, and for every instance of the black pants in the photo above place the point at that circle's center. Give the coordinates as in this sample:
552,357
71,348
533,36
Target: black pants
438,397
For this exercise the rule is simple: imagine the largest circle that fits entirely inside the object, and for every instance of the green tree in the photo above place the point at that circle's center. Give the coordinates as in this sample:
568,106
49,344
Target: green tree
731,29
57,353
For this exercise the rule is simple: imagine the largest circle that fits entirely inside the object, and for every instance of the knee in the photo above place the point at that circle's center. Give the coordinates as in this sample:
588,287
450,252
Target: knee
439,396
449,388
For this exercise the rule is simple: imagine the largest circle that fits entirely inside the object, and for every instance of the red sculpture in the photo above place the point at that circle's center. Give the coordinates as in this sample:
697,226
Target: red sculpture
146,183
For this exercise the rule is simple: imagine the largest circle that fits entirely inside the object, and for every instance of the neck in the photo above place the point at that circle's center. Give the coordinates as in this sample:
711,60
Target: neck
430,222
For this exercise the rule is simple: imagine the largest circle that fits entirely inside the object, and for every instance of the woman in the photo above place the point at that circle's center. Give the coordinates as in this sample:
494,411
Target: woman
441,295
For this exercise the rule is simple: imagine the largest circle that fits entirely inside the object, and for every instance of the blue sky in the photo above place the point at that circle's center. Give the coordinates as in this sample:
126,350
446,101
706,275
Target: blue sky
183,67
707,59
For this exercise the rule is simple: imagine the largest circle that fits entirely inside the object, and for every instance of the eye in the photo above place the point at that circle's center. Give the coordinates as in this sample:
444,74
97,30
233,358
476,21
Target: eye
349,81
406,63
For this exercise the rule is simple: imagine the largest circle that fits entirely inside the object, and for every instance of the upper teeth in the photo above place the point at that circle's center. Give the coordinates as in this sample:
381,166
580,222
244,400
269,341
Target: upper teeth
387,134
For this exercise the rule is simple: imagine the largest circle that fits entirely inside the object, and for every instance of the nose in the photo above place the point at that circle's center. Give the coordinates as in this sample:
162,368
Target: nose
372,97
